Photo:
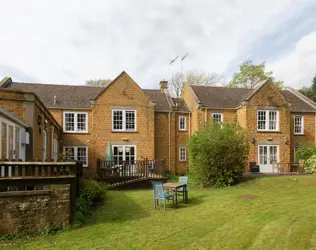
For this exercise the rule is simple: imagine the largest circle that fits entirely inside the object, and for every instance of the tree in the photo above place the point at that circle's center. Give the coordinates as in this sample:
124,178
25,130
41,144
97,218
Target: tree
310,92
203,78
196,77
177,83
251,76
98,82
218,154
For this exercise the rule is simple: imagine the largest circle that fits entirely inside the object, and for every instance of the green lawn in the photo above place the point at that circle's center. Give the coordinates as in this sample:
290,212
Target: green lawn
283,216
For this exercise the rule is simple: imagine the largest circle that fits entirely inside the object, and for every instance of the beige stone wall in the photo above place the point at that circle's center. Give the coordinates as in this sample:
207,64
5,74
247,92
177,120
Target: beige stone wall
35,212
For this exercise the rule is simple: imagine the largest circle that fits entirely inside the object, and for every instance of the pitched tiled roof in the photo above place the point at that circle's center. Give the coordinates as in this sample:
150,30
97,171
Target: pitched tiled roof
220,97
159,98
67,96
224,97
297,104
180,104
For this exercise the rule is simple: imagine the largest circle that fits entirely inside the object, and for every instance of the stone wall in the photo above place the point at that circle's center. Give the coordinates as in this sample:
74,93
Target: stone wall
34,210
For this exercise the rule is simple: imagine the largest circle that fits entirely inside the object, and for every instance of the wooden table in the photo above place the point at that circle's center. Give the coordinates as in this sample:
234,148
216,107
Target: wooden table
174,187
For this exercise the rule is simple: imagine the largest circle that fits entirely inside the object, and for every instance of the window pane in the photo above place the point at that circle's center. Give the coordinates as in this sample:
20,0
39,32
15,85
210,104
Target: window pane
182,123
118,120
272,120
298,124
70,122
261,120
82,155
70,153
182,154
81,122
130,120
217,117
118,154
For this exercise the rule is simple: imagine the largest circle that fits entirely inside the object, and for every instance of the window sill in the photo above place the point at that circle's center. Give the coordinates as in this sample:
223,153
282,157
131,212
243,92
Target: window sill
299,134
268,131
183,161
183,130
75,132
123,131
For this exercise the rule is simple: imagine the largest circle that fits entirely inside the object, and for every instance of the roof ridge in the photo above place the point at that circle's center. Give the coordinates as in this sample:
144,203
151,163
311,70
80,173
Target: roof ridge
213,86
54,84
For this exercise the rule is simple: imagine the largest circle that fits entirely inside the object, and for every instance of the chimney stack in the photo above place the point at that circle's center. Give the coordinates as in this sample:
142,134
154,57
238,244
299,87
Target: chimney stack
163,85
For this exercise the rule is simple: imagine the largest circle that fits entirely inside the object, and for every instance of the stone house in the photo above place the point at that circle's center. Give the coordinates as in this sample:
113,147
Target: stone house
28,130
149,123
277,121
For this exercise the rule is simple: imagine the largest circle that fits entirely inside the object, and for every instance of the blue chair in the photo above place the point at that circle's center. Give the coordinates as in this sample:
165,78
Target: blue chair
160,194
184,190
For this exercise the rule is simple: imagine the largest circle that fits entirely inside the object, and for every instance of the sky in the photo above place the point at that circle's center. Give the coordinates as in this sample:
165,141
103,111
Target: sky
69,42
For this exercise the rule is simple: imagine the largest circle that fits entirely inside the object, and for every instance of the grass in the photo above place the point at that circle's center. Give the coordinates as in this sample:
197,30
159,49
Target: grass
282,215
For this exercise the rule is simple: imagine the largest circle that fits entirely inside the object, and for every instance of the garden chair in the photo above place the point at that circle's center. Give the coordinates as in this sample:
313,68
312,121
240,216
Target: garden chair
183,190
300,166
160,194
275,167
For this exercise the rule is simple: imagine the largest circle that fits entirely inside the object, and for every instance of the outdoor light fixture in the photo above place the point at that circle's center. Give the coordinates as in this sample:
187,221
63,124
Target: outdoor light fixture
285,140
253,140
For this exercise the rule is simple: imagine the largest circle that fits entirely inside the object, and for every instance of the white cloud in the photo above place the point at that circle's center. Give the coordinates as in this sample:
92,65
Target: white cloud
73,41
298,67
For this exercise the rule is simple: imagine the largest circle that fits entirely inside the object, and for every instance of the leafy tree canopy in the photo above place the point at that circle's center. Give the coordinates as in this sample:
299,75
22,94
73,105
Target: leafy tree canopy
310,92
98,82
251,76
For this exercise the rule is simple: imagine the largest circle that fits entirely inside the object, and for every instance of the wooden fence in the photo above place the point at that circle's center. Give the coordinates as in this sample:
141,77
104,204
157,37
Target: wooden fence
15,176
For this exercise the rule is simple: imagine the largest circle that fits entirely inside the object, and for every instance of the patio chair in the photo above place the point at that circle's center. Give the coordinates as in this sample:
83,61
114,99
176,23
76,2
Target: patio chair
183,190
275,166
160,194
301,164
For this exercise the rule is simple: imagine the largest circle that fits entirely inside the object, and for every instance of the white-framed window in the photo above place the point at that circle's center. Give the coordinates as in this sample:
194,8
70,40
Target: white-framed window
124,153
298,125
123,120
268,120
182,123
182,154
296,148
217,117
75,122
78,153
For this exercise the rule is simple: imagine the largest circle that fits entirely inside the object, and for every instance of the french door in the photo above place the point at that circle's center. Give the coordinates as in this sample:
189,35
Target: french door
124,153
267,154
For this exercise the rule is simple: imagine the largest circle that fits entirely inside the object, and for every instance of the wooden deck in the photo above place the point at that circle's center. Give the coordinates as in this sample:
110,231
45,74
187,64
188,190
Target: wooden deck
121,174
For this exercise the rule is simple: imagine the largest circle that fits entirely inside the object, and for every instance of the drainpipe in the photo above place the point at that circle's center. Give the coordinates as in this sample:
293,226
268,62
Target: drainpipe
169,140
205,114
190,124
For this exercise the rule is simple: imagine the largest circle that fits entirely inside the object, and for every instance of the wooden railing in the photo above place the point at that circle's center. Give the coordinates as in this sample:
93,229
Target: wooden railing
131,170
16,176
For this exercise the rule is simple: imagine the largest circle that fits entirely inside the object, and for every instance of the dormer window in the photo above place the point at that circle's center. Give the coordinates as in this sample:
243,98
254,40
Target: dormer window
268,120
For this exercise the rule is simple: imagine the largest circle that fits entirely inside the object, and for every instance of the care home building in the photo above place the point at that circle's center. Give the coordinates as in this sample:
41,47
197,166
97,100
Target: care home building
150,124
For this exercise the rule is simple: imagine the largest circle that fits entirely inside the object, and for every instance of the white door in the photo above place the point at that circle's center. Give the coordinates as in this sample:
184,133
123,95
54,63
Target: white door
267,154
124,153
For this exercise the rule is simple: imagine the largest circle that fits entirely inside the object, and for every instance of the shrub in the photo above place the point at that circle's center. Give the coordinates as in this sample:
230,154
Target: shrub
305,152
92,194
218,154
310,165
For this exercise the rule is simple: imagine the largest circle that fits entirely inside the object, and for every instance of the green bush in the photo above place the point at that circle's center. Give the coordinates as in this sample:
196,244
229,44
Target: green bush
218,154
305,152
92,194
310,165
